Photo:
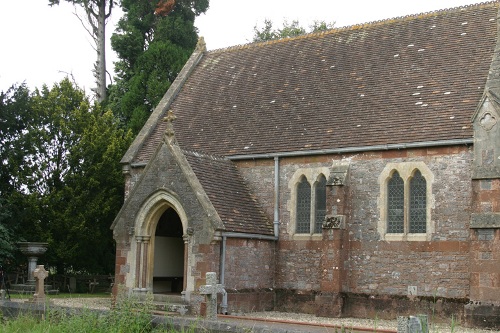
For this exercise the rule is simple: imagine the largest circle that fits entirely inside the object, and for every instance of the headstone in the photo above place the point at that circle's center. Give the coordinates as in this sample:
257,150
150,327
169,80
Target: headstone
413,324
210,290
40,274
402,324
72,284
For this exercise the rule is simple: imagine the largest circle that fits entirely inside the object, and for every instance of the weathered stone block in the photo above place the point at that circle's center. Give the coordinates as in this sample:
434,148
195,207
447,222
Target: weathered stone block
485,220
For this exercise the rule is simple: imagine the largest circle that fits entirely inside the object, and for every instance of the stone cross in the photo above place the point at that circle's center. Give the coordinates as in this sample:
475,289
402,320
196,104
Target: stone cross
210,290
40,274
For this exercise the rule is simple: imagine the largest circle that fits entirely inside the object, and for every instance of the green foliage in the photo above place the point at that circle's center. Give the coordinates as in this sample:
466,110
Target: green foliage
128,316
152,49
15,116
66,184
292,29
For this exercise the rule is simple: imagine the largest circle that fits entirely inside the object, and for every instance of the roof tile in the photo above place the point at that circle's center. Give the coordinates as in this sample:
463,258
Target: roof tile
410,79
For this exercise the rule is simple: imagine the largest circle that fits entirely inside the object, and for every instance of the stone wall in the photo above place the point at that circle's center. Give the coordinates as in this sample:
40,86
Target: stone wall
249,264
435,269
484,308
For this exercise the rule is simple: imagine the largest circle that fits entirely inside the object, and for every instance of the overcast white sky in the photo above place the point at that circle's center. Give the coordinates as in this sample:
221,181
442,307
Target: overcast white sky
40,44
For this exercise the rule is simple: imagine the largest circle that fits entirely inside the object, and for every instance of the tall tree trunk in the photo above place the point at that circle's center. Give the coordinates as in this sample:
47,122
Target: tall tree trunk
100,65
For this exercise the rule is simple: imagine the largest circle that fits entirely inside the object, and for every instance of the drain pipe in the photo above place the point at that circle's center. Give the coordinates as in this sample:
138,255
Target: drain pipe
276,196
223,305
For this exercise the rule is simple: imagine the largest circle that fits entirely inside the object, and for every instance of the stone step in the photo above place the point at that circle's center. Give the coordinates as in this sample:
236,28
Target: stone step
169,298
171,308
167,303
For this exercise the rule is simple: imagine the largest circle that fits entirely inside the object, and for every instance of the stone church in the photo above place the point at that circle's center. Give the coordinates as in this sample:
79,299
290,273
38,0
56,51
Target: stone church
351,172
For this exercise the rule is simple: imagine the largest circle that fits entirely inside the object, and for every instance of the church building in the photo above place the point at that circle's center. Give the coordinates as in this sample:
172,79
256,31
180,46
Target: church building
350,172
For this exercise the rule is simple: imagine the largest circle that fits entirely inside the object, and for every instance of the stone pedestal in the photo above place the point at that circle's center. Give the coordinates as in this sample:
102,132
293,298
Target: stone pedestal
33,250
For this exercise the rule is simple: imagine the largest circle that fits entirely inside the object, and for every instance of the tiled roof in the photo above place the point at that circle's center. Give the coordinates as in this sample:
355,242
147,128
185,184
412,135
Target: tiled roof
404,80
229,195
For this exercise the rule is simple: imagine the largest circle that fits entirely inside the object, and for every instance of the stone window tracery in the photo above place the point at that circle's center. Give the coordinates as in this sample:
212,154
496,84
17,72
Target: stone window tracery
303,206
405,202
320,201
308,201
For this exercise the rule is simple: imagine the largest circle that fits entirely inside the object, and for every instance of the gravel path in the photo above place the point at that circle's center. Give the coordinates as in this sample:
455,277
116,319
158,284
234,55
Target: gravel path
356,322
105,303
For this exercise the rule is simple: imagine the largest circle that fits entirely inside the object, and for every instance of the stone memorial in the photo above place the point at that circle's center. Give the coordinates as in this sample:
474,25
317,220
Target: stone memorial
40,274
210,290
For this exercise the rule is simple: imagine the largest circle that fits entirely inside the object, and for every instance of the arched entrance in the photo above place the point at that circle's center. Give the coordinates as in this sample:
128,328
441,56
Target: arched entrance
168,265
165,206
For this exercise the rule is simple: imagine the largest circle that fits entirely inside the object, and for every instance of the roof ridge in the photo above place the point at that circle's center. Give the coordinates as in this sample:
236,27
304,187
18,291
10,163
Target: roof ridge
358,26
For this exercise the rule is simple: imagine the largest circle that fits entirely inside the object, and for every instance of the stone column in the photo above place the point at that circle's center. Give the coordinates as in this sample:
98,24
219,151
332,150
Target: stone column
141,268
138,256
145,264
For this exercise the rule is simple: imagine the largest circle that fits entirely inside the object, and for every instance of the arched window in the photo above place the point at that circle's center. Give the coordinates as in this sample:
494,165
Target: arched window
320,204
405,202
418,203
303,206
395,204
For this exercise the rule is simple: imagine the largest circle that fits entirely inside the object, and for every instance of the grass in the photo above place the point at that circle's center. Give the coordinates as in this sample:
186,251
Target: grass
64,295
127,316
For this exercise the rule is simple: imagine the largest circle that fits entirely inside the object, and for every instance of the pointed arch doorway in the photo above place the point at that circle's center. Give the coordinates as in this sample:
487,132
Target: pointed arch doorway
168,265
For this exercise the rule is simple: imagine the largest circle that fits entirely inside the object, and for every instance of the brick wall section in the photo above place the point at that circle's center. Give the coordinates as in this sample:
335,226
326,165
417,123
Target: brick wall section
486,196
485,244
249,275
485,265
121,267
263,189
249,264
437,268
207,257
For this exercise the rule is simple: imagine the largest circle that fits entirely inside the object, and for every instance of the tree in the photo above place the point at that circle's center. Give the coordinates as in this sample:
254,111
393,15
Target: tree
288,30
153,41
15,115
67,186
97,11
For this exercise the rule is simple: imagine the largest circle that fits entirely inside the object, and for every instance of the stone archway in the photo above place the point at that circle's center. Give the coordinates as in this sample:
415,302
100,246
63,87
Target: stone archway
160,206
168,261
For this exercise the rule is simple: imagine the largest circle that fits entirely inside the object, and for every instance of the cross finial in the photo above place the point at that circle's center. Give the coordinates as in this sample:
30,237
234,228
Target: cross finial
168,137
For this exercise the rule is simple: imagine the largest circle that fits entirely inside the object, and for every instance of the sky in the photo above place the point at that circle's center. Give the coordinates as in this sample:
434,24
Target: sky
42,44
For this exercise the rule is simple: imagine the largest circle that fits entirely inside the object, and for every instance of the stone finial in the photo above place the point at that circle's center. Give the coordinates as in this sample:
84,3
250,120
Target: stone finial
169,135
201,46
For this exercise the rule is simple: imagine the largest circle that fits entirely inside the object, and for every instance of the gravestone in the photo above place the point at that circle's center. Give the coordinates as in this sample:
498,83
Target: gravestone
413,324
210,290
40,274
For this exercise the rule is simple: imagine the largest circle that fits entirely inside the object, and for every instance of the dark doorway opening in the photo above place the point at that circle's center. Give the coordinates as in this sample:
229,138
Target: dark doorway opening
168,270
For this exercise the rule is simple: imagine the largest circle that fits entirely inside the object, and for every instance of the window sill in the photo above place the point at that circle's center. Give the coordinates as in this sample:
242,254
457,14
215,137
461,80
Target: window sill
299,237
406,237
